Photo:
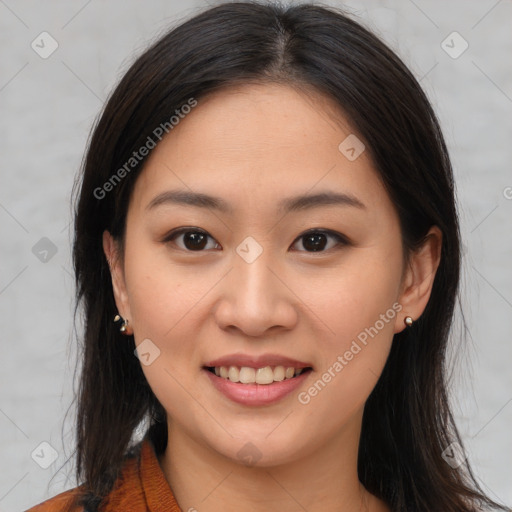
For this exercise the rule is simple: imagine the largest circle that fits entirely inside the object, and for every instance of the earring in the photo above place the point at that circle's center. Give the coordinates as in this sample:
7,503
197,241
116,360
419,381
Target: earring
408,321
124,323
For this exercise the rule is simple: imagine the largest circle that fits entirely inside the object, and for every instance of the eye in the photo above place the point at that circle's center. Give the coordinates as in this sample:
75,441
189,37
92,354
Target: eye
193,239
196,240
315,240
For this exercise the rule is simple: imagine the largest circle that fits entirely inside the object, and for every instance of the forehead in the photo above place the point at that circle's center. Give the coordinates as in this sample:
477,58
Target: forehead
259,143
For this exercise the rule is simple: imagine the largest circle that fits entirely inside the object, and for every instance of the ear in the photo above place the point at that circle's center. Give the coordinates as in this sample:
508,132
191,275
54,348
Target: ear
112,253
419,277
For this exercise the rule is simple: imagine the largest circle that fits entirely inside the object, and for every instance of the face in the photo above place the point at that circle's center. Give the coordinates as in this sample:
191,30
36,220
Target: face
256,278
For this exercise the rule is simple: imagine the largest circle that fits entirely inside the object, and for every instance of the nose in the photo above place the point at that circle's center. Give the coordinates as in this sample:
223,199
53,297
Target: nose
255,298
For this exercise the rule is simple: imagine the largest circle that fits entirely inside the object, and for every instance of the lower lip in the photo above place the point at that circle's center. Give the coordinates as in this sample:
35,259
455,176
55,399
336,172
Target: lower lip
256,394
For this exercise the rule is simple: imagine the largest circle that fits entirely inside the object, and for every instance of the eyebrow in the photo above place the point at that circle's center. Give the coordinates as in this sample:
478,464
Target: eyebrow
290,204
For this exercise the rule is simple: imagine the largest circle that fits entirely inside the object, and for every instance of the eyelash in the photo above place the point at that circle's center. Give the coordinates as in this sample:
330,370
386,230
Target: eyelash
341,240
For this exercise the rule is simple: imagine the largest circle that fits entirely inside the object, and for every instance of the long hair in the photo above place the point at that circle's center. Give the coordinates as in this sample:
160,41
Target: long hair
407,422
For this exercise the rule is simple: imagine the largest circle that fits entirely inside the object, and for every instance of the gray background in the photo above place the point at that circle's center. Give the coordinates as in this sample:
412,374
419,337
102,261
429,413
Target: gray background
47,108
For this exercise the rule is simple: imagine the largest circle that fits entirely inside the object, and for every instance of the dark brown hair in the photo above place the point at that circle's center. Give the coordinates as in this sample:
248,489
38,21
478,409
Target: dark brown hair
407,419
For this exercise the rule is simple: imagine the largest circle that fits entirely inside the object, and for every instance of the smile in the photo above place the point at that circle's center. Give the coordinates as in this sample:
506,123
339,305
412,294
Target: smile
251,393
248,375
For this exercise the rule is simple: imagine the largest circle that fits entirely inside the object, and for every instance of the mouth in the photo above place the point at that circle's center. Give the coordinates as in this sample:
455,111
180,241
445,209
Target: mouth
256,385
265,376
256,380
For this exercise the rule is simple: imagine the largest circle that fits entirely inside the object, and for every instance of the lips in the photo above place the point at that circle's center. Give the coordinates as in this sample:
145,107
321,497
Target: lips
257,361
256,380
254,394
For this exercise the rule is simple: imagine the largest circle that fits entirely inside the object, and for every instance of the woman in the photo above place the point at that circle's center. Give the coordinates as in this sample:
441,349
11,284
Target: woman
267,252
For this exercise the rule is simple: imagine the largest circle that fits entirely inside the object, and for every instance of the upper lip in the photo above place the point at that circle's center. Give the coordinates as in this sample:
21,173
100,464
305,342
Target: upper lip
257,361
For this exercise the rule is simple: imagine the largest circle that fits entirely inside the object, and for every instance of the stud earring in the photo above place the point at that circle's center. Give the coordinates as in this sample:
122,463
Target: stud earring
118,319
408,321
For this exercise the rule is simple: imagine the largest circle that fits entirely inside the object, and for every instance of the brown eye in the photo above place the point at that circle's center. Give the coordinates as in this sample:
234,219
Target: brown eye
317,240
196,240
193,239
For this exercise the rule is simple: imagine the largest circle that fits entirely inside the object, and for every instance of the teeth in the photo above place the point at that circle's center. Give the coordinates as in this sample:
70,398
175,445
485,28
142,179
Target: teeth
234,374
279,373
290,372
264,375
247,375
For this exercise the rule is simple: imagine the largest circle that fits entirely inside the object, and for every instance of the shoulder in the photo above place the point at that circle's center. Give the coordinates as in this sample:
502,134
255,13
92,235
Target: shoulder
127,492
63,502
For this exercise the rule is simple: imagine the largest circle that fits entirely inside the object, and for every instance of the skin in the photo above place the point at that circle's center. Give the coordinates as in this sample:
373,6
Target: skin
253,146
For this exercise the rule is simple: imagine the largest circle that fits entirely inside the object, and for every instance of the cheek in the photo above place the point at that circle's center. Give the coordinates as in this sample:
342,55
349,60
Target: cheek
352,297
163,300
358,309
162,296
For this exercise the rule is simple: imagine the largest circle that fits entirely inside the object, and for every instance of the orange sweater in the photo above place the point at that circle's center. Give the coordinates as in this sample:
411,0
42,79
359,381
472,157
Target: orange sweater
142,487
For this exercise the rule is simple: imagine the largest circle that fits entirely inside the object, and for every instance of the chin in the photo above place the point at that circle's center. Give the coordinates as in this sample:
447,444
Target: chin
259,450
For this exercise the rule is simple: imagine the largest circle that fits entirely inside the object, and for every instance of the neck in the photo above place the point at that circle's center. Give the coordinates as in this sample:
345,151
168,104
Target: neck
324,480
